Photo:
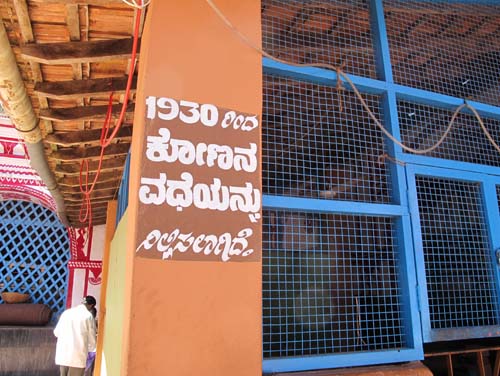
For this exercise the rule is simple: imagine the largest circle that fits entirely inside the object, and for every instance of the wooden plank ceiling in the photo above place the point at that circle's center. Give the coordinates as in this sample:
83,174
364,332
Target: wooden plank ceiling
72,56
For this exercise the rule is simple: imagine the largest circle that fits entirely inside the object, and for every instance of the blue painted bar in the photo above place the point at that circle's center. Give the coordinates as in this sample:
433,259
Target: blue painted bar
321,76
446,163
447,173
408,283
391,122
380,41
492,212
484,110
444,101
340,360
419,254
426,97
330,206
371,86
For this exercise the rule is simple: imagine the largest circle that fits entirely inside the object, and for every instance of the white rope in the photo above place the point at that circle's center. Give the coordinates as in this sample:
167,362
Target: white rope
356,91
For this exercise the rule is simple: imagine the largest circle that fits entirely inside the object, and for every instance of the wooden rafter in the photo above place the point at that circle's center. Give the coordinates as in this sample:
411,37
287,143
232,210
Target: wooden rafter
107,164
27,37
78,52
96,207
75,138
74,154
97,195
97,187
82,112
74,181
82,88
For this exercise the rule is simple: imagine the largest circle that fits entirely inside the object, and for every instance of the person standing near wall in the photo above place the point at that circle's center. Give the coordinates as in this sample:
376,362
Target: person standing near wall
89,367
76,336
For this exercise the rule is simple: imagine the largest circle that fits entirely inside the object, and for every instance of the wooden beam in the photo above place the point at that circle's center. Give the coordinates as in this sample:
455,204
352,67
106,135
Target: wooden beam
78,52
82,88
108,164
73,21
98,187
78,203
73,24
75,209
95,195
75,154
66,139
74,181
96,212
24,21
82,112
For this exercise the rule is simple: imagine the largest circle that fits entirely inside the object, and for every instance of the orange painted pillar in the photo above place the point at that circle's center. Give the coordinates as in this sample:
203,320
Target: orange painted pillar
110,230
196,311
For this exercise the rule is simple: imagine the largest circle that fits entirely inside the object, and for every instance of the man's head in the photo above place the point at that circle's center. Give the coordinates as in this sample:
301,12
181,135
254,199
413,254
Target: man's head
89,302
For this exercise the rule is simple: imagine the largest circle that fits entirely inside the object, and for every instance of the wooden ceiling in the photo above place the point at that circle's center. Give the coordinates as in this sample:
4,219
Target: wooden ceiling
72,55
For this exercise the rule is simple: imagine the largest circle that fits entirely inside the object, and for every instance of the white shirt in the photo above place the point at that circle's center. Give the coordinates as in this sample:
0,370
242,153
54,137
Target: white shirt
76,336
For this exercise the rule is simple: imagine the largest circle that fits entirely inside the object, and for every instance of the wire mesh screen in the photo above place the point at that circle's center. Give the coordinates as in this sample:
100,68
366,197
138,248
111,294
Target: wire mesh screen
34,252
335,32
313,147
330,284
447,47
459,271
422,126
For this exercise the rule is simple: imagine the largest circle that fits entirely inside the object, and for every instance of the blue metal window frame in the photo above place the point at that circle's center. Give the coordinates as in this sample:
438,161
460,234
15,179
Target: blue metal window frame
398,210
123,191
492,220
411,266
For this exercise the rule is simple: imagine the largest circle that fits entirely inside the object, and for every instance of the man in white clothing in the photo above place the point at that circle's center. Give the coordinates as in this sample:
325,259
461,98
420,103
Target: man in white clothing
76,336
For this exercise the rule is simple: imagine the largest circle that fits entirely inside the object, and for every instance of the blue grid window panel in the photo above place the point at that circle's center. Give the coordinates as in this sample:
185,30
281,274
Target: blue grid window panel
448,47
330,284
314,148
34,253
422,126
458,267
333,32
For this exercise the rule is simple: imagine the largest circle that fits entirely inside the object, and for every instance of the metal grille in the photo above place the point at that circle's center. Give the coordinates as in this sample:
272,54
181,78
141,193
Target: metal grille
460,282
34,252
447,47
422,126
313,148
330,284
334,32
